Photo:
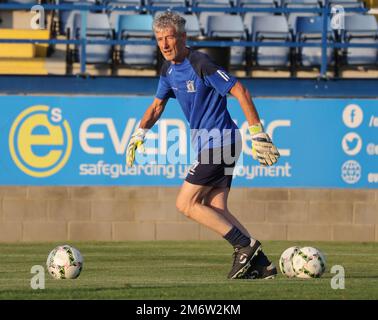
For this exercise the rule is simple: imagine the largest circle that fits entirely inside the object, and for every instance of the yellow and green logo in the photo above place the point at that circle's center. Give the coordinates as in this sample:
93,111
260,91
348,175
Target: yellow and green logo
40,141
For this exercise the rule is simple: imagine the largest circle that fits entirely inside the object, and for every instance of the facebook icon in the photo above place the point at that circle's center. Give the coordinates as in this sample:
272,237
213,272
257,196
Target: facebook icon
352,116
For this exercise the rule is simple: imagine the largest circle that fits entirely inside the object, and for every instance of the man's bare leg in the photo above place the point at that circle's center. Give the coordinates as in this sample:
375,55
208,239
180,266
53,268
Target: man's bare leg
189,202
217,200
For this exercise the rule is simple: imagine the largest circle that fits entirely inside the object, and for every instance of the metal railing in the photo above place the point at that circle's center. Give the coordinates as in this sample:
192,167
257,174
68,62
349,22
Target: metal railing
325,12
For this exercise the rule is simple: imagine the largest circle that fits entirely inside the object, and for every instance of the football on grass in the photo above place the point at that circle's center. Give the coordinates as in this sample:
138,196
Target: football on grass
308,262
65,262
285,262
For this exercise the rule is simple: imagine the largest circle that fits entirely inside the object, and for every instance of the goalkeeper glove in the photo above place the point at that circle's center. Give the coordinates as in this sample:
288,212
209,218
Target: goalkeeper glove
263,148
136,142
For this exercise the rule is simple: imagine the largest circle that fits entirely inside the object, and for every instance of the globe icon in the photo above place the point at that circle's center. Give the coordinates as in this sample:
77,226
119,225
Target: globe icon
351,171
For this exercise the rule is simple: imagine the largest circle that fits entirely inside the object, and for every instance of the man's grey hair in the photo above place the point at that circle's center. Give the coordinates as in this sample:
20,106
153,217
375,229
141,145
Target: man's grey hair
169,19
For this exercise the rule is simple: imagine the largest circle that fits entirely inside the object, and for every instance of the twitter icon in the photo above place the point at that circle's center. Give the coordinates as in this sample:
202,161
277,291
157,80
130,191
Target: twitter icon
351,143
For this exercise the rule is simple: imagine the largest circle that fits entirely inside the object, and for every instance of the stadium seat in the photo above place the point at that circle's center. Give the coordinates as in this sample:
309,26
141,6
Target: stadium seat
292,19
299,4
309,30
248,20
229,27
98,28
271,29
360,29
121,4
67,17
209,4
192,26
134,27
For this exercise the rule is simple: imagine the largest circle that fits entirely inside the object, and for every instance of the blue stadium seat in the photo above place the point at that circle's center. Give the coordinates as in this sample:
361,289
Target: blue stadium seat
226,26
248,20
361,29
98,28
192,26
271,29
255,4
309,30
132,27
204,15
292,19
114,13
299,4
67,17
229,27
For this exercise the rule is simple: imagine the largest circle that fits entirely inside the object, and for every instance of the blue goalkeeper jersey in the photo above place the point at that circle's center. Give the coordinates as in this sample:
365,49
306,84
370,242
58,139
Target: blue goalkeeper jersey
201,87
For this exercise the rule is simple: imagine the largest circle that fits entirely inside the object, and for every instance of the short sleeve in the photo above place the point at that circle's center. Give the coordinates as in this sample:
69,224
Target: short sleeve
164,90
219,79
213,75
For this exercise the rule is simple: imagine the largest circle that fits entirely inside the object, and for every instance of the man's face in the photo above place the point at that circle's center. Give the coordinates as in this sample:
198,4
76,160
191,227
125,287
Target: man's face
171,44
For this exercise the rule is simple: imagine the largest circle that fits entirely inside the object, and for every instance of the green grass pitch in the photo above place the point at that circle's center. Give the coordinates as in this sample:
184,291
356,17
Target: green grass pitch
194,270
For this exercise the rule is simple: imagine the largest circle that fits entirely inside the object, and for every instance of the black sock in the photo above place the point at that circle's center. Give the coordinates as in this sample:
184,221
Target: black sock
236,238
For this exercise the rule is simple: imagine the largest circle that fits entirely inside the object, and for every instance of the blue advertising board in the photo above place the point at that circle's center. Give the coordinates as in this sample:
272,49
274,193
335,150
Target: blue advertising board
81,140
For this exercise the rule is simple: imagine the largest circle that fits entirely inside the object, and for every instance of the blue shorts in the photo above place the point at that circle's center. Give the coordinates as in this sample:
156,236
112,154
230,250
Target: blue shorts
214,167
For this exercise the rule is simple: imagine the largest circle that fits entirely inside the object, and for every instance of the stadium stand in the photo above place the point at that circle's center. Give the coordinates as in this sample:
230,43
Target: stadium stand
206,20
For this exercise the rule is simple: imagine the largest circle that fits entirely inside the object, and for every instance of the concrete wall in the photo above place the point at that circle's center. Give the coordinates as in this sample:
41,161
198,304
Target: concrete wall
117,213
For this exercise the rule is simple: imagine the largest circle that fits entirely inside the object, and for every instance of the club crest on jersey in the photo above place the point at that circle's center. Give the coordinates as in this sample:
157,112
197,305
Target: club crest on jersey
190,86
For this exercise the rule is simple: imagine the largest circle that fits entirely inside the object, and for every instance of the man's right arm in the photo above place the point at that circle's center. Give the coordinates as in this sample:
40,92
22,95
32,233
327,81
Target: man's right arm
153,113
149,118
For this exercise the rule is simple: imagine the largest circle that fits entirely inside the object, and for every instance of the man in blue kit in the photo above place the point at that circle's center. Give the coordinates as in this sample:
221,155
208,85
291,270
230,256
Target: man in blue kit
201,87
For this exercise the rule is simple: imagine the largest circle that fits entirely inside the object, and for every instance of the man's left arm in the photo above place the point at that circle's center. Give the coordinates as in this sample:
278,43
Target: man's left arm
263,148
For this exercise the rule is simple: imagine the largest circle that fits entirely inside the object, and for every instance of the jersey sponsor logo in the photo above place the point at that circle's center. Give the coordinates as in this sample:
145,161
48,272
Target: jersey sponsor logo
223,75
190,86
